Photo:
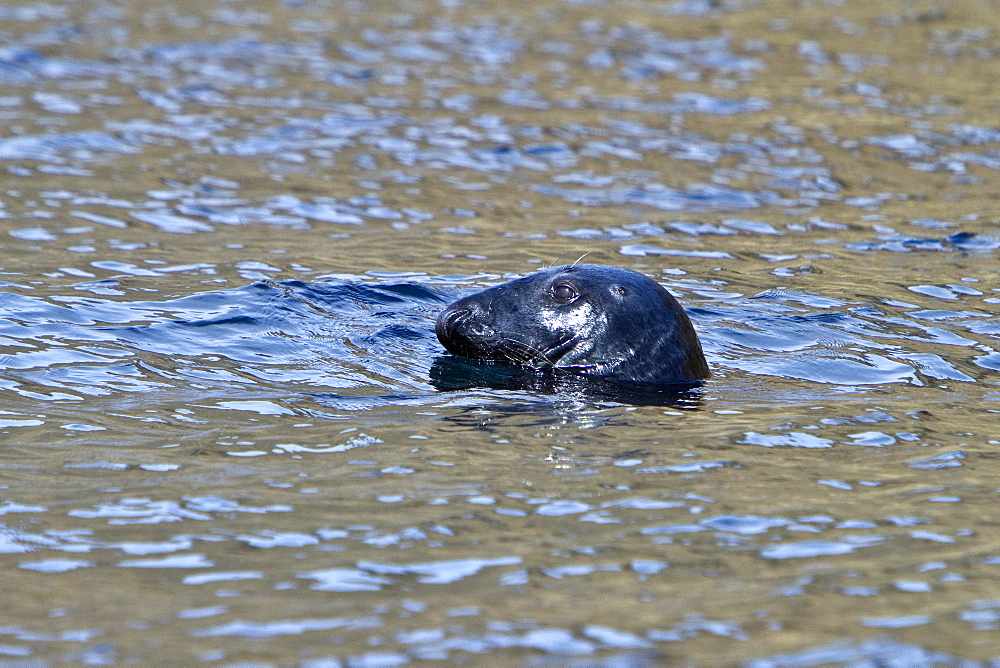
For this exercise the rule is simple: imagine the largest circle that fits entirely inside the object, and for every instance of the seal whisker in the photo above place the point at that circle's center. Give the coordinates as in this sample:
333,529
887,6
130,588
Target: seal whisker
580,258
536,354
553,263
540,357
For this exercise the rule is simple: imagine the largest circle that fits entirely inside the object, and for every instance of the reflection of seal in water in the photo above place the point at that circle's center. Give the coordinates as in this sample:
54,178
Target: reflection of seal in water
591,320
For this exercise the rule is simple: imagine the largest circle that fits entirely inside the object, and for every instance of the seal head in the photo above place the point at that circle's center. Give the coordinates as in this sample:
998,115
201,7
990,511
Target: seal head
590,320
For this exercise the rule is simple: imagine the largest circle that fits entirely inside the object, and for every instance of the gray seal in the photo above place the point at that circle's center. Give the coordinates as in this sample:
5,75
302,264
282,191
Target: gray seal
589,320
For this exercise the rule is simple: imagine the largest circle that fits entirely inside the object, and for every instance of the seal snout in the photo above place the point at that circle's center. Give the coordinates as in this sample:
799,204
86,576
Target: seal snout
459,326
448,322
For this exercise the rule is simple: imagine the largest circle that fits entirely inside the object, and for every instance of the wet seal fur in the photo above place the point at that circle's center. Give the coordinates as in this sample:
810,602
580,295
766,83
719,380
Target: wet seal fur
588,320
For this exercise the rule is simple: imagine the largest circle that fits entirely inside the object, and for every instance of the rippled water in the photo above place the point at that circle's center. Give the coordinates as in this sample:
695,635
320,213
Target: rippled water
229,433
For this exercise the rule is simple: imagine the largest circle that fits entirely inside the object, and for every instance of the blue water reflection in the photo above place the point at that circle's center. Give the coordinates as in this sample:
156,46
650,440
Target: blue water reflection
271,339
213,451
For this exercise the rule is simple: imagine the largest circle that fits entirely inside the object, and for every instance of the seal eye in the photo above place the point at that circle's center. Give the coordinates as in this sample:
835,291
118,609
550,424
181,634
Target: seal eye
564,293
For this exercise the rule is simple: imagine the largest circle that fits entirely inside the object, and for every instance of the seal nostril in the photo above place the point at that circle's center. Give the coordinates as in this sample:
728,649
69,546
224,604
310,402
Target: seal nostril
448,321
453,317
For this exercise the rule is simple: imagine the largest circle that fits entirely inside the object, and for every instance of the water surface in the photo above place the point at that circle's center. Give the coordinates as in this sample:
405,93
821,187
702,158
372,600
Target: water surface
230,435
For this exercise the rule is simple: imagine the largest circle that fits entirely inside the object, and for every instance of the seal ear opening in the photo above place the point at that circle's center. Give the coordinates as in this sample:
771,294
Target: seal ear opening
619,291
